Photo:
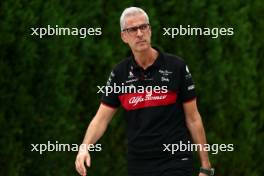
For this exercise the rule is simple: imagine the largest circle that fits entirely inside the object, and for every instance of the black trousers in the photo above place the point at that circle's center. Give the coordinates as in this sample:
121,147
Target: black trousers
180,168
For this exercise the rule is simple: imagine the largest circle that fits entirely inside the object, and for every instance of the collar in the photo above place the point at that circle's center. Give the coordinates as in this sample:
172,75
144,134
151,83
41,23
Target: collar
157,64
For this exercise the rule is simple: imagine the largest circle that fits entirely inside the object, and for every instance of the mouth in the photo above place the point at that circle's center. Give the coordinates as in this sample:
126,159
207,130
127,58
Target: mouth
141,41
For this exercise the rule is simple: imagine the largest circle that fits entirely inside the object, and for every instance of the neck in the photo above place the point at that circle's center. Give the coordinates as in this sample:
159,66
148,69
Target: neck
146,58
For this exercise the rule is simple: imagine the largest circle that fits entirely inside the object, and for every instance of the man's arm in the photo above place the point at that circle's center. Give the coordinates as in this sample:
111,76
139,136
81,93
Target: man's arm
94,132
195,126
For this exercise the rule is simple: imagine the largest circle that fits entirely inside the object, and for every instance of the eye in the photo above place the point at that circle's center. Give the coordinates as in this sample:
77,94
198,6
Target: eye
133,29
143,27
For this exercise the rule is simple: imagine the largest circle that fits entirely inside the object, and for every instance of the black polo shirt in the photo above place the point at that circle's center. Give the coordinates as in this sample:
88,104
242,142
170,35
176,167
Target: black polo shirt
153,117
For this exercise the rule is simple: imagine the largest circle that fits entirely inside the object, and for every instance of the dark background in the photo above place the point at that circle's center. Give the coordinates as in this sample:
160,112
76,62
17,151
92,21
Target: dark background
48,86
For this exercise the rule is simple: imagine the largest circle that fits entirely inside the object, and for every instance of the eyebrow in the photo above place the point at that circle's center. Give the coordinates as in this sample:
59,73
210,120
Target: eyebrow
133,27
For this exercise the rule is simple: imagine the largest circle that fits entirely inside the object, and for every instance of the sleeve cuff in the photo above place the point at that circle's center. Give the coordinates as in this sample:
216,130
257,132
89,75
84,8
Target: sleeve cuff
108,105
189,100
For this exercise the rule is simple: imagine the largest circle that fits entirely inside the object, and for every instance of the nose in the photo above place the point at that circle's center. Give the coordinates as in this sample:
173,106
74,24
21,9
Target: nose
139,32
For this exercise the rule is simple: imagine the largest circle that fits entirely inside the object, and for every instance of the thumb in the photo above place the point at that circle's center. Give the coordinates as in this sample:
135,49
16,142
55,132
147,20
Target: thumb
88,161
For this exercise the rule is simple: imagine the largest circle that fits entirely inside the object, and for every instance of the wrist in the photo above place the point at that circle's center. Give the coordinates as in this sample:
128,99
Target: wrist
207,171
83,148
206,164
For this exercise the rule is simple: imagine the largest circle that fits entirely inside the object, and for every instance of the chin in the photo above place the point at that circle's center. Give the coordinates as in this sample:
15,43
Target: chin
141,48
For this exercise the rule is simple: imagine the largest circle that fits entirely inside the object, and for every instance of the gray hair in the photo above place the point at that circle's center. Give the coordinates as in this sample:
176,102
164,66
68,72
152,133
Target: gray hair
131,11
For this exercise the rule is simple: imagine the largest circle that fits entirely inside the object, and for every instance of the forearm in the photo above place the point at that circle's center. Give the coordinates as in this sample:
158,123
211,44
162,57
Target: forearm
94,132
198,135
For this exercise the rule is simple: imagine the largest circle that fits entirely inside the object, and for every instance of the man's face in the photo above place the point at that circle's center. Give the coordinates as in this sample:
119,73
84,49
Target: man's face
137,33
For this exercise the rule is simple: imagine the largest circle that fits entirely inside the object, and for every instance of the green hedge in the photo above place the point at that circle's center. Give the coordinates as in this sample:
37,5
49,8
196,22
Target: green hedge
48,86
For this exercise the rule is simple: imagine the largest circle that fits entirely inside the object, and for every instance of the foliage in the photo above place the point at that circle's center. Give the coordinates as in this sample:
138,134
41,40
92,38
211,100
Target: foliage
49,89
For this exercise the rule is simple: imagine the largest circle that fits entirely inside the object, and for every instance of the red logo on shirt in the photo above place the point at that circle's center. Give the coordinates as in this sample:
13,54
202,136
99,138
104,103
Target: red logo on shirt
134,101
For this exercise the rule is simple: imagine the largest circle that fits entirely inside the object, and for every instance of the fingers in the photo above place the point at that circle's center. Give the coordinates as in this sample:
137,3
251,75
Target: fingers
79,164
83,169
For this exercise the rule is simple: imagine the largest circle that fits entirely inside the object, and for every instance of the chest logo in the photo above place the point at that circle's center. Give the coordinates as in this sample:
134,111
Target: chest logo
165,72
134,101
165,79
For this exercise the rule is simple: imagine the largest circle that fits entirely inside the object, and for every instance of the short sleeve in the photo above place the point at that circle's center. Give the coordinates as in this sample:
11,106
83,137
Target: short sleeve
110,97
187,87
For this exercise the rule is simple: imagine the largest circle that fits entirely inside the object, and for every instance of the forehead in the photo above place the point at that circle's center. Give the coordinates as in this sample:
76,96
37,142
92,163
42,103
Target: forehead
135,20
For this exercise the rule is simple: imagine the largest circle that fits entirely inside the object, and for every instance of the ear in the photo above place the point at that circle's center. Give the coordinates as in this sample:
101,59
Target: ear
124,37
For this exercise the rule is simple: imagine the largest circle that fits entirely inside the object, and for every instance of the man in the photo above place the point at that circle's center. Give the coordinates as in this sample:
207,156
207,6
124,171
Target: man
156,120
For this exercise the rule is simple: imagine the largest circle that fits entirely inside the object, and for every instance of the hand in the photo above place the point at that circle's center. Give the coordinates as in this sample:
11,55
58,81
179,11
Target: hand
82,156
